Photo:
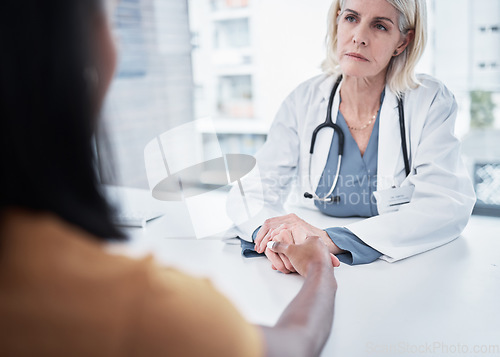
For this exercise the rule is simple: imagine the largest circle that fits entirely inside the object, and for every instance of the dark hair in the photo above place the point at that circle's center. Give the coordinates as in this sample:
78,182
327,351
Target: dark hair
48,110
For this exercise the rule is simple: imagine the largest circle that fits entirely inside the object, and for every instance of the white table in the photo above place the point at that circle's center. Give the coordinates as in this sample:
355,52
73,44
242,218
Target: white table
443,301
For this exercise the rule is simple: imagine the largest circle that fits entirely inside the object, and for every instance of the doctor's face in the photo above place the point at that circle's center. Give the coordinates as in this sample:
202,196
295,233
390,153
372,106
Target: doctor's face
368,37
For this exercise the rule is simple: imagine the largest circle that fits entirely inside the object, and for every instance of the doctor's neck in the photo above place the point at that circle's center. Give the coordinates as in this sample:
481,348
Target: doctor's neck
362,92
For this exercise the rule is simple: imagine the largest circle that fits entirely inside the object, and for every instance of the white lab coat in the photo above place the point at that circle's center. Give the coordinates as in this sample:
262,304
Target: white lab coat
443,197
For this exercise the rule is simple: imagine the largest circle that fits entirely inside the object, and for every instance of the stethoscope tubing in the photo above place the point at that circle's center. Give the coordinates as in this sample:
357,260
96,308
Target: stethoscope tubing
403,135
328,123
328,197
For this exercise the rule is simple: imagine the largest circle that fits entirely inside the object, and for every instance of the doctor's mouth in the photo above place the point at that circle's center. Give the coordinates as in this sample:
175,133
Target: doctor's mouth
356,57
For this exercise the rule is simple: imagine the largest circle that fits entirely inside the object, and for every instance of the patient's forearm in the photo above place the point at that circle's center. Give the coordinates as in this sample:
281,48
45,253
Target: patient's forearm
304,326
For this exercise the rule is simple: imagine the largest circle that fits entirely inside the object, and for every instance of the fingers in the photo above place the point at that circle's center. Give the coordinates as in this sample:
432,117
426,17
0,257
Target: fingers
335,260
271,224
279,261
276,261
263,231
277,238
289,250
284,259
261,234
260,245
278,247
282,234
287,263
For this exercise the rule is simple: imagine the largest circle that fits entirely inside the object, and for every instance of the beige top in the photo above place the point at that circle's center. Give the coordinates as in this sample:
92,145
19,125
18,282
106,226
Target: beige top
62,295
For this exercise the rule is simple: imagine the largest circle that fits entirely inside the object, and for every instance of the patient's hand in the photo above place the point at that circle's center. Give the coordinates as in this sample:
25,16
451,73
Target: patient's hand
310,254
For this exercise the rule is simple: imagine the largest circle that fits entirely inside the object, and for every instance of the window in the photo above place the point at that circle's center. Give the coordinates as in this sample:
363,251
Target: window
466,58
228,4
248,57
235,96
233,33
152,91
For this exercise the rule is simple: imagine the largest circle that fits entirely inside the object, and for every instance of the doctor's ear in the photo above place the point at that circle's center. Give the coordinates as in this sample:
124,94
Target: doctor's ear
338,17
408,38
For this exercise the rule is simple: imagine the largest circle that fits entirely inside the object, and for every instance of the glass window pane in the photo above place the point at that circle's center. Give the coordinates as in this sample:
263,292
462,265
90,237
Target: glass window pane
153,87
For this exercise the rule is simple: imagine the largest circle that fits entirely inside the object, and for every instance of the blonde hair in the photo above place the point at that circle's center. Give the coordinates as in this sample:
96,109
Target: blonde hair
401,70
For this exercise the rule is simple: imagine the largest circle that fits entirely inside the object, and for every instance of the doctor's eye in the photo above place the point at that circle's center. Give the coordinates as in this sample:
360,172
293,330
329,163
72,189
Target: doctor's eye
350,18
380,27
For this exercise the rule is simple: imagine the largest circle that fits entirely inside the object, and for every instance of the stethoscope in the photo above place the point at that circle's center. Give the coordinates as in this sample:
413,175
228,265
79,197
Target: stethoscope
330,124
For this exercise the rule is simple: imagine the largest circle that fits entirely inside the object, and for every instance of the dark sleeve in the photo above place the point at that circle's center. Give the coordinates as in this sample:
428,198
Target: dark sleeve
248,248
357,251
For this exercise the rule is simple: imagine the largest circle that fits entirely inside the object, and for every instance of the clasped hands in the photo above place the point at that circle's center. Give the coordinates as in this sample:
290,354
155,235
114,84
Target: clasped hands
291,230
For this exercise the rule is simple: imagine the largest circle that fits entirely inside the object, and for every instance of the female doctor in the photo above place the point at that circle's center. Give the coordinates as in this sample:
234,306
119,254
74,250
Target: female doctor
385,151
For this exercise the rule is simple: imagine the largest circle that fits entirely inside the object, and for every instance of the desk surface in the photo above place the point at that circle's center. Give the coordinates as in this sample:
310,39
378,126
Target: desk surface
445,301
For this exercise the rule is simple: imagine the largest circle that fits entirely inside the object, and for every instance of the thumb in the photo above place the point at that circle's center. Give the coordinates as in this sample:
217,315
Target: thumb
277,247
335,260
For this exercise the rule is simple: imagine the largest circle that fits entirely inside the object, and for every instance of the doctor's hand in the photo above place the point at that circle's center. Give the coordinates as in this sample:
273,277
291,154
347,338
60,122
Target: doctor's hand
311,254
298,231
278,260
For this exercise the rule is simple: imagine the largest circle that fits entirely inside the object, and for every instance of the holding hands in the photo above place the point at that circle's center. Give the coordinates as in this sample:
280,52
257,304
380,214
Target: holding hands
291,230
306,256
273,226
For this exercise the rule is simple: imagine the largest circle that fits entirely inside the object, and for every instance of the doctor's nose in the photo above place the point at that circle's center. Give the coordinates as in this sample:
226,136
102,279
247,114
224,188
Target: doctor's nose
360,38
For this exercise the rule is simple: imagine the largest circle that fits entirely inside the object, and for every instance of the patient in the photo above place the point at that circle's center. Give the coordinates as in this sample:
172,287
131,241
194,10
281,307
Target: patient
60,293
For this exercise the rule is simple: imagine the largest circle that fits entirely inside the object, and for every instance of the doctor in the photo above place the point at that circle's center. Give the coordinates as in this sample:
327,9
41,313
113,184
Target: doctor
385,151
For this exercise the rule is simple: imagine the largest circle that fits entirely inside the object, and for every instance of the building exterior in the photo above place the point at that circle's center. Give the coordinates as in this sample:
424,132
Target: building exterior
466,51
247,56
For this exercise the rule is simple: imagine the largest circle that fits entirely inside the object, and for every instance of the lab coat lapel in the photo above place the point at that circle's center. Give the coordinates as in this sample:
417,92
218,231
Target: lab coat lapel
325,136
389,142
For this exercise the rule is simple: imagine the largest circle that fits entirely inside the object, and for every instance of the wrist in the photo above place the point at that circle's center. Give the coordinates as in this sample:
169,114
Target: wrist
332,247
315,268
319,265
320,272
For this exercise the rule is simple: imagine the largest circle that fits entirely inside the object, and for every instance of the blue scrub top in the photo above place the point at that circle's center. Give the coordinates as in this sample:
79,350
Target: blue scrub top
358,176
